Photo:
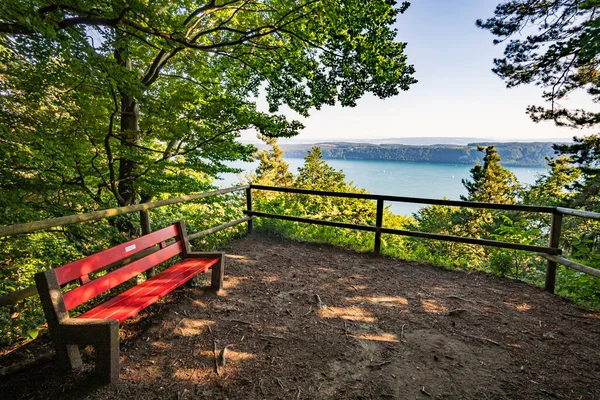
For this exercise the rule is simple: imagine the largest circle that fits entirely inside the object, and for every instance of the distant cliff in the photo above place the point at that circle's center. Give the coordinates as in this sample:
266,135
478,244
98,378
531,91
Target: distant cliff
513,153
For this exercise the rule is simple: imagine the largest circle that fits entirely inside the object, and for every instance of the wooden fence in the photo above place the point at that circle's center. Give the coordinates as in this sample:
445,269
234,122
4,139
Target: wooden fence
551,252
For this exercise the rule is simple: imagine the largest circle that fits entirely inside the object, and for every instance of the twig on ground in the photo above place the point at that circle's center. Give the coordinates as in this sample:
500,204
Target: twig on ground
402,333
320,304
575,316
461,298
456,311
425,392
272,337
280,384
549,393
377,365
223,355
180,325
239,321
485,340
29,363
214,351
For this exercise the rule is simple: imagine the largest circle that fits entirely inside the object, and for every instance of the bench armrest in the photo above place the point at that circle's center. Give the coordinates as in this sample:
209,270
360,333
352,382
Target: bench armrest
205,254
102,334
87,330
218,269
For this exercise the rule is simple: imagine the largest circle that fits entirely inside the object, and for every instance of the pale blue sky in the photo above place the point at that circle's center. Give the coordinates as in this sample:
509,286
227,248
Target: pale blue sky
457,93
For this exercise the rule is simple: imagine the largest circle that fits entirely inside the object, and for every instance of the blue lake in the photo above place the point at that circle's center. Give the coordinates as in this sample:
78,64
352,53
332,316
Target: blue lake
409,179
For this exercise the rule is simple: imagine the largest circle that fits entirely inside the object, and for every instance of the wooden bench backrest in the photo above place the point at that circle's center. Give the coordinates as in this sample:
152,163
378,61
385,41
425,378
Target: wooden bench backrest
81,268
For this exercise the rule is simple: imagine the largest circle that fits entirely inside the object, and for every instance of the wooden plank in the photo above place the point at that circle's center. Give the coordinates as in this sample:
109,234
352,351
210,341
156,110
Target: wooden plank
17,296
29,227
183,237
418,200
249,207
22,294
579,213
555,230
84,293
425,235
219,228
315,221
483,242
378,224
84,266
572,264
146,226
130,302
56,313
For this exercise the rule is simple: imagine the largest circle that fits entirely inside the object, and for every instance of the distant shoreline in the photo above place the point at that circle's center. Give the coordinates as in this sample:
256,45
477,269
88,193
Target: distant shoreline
417,162
515,154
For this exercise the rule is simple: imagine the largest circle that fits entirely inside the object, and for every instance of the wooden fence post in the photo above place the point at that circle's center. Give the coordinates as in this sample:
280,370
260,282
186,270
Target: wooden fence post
554,242
249,207
378,225
146,229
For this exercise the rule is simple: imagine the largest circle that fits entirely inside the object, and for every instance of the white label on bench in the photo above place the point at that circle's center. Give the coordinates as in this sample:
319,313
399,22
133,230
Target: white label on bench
130,248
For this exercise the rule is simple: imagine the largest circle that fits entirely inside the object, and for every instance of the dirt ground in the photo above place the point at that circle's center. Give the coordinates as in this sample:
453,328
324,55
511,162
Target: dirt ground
308,321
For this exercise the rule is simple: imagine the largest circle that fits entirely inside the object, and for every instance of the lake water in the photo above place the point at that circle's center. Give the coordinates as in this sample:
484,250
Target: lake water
409,179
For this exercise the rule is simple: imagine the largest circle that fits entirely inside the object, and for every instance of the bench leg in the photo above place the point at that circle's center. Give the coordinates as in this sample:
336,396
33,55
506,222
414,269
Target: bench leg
218,270
107,355
68,357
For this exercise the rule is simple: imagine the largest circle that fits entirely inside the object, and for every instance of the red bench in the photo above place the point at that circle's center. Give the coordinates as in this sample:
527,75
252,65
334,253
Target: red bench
100,326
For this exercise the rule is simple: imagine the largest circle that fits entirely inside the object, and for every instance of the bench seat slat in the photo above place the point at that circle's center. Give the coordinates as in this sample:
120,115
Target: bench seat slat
70,272
132,301
92,289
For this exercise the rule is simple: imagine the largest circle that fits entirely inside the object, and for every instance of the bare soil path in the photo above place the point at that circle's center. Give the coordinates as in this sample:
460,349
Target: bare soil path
308,321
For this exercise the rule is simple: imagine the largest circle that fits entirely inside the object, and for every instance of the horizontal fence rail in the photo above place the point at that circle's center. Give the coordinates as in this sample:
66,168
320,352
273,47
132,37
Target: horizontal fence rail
402,232
579,213
551,252
29,227
573,265
418,200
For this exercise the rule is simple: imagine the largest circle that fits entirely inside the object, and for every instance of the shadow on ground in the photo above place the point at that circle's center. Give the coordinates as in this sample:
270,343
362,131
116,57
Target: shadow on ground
308,321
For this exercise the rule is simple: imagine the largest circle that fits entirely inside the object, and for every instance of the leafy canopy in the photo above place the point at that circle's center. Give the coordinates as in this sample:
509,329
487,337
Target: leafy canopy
557,47
124,101
491,183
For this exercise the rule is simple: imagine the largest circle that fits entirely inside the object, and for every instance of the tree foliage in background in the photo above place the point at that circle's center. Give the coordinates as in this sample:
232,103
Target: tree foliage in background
552,44
272,169
118,102
555,45
316,174
491,182
584,155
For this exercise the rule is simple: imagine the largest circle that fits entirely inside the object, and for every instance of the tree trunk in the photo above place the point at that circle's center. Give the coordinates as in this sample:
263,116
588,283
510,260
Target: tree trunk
130,132
130,135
